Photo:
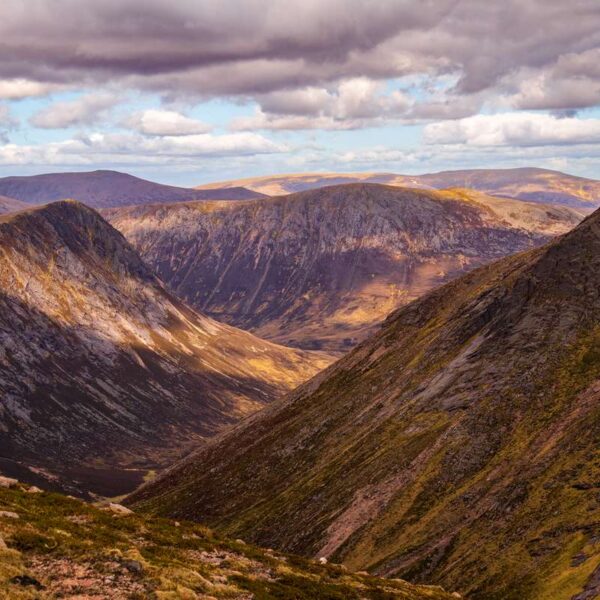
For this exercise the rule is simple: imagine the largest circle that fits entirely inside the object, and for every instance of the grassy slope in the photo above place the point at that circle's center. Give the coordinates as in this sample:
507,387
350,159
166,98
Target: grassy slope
74,549
459,445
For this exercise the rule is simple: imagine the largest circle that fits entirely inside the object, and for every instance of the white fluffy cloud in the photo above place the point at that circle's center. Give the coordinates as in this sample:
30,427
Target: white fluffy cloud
85,110
352,104
165,122
514,129
18,89
128,149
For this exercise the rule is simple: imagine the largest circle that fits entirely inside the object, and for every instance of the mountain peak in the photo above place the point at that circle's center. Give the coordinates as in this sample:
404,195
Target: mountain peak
105,374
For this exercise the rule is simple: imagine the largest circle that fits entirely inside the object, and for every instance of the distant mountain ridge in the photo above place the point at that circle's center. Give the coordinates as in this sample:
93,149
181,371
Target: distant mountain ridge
101,189
103,373
458,445
532,184
321,269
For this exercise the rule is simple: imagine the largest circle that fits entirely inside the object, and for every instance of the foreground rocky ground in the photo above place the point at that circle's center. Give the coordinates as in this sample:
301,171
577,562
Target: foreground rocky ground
53,546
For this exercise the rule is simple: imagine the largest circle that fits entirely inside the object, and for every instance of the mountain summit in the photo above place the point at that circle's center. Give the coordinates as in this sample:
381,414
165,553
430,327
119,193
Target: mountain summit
103,373
458,446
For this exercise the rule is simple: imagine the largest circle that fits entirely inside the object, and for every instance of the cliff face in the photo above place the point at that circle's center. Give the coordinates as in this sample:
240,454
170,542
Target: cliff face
321,269
107,188
101,369
459,445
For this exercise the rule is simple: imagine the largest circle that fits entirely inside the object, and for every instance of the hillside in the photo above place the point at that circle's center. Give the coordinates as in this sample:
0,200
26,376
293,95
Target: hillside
59,547
535,185
104,374
100,189
10,205
458,446
321,269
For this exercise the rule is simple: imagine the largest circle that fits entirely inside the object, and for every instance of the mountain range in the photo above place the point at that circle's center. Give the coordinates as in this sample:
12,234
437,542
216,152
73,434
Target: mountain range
532,184
321,269
100,189
458,445
104,374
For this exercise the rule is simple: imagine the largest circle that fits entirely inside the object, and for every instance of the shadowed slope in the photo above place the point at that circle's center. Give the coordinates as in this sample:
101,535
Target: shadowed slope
459,445
100,367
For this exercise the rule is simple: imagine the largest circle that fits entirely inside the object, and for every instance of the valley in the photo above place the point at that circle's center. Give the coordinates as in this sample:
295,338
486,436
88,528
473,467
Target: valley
104,374
458,445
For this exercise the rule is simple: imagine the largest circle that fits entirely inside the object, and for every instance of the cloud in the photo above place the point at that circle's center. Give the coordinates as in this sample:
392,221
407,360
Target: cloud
165,123
85,110
207,48
352,104
18,89
514,129
129,149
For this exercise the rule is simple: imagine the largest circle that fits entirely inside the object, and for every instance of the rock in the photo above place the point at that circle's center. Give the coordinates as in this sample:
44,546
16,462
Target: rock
322,560
8,514
363,573
134,566
3,545
8,482
118,509
33,490
26,581
239,541
177,524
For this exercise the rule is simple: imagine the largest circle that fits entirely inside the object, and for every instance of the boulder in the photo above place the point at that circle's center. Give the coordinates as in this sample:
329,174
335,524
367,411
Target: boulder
8,514
8,482
118,509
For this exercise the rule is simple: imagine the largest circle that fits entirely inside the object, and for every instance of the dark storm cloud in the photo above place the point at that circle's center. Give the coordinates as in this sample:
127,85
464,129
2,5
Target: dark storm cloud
249,47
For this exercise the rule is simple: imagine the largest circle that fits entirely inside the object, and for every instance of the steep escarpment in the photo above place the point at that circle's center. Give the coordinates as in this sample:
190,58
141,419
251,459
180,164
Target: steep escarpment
107,188
321,269
458,446
103,373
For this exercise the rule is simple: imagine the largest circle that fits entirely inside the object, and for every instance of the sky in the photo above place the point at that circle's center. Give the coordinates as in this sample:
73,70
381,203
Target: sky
192,91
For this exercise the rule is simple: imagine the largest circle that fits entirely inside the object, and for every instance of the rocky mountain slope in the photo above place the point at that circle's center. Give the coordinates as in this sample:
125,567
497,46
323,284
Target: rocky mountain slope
536,185
107,188
103,373
321,269
458,446
11,205
52,546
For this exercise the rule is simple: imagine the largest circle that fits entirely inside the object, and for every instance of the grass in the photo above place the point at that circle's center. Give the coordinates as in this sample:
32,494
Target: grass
67,547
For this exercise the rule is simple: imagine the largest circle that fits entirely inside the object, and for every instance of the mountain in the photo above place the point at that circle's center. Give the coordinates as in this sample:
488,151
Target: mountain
104,374
534,185
100,189
11,205
459,445
59,547
321,269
